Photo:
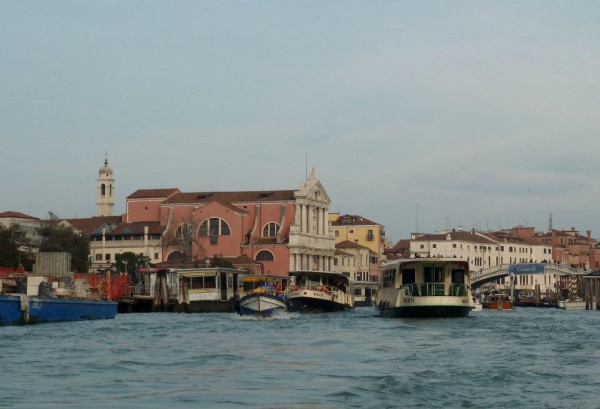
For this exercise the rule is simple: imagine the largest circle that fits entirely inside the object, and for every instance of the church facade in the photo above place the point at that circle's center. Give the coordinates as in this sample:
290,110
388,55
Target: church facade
272,232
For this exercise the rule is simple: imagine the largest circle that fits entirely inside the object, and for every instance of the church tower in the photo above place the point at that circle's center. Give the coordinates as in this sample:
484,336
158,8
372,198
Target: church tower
106,190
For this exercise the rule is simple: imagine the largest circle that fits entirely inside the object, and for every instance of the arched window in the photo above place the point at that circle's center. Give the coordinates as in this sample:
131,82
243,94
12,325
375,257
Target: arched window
264,255
103,190
214,227
270,229
175,255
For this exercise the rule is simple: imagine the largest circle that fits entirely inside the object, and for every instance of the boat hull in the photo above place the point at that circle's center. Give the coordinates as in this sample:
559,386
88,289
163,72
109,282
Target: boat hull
438,311
261,304
14,311
506,305
309,304
572,305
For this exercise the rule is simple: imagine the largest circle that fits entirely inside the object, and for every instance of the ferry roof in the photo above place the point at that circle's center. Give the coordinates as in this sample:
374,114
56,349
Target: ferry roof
317,272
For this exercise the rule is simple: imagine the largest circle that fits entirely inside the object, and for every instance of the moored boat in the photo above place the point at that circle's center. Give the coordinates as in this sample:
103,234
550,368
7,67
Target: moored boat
319,291
39,302
425,287
262,301
572,304
498,301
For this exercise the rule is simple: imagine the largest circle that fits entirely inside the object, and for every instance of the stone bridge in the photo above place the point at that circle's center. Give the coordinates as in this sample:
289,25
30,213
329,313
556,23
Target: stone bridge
481,277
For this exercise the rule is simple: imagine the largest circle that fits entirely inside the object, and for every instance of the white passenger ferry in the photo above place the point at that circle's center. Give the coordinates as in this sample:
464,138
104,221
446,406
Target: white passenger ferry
319,291
425,287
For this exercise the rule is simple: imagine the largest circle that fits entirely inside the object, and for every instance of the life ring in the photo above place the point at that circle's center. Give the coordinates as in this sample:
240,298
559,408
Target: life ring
296,288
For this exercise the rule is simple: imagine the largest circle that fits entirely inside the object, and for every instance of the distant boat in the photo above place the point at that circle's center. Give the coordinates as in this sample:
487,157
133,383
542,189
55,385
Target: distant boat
572,304
319,291
477,305
498,302
425,287
262,301
35,306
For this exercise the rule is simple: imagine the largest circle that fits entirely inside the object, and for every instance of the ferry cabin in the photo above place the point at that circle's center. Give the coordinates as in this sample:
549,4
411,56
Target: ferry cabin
250,282
209,289
425,287
365,293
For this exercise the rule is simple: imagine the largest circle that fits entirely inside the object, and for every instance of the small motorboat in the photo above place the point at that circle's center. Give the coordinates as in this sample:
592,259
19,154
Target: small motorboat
264,300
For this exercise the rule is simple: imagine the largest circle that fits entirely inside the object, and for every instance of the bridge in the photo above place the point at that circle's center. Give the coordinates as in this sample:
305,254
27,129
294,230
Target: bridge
486,275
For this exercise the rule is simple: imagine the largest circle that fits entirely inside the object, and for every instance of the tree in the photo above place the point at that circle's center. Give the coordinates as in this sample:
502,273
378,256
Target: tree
56,238
184,239
126,262
13,245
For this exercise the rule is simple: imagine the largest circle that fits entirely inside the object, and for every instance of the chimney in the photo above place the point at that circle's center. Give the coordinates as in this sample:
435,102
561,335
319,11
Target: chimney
460,228
589,234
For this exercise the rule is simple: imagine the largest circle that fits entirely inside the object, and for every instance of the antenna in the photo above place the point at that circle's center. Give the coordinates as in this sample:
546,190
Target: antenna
417,217
306,167
550,223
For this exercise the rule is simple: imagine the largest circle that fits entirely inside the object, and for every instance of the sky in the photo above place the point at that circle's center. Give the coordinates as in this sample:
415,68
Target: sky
418,115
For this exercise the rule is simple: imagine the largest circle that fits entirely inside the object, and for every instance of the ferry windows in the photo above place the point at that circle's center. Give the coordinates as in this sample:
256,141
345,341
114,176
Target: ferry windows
389,278
196,283
408,276
458,276
428,274
270,229
264,255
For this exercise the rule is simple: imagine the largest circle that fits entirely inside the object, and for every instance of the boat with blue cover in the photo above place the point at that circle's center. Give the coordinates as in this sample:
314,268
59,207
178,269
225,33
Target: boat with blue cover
34,300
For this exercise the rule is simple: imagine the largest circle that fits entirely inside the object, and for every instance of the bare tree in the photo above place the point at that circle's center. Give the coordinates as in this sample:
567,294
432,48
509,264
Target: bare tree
182,237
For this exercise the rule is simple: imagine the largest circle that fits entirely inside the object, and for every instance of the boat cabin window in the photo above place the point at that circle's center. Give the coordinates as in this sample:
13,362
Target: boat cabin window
433,274
195,283
389,276
408,276
458,275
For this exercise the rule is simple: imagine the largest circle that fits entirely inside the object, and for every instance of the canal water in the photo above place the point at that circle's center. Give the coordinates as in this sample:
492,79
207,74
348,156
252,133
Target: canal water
533,358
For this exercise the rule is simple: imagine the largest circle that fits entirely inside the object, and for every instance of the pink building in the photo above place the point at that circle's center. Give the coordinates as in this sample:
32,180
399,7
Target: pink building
282,230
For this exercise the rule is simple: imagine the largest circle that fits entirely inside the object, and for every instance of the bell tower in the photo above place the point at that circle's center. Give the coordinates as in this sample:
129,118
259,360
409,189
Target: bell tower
106,190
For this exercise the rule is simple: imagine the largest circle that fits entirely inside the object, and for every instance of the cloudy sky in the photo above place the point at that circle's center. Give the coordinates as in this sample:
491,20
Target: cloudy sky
417,114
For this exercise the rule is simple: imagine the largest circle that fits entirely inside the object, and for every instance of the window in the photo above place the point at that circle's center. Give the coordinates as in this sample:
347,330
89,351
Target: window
434,246
195,283
453,245
214,227
155,256
337,233
264,255
335,261
270,230
98,257
107,257
370,235
389,277
350,231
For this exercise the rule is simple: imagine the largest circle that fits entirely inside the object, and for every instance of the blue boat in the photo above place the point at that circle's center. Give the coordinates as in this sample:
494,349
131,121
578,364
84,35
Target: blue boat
21,309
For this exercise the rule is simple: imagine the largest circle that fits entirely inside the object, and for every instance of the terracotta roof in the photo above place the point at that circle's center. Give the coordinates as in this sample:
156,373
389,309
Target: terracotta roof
347,244
353,220
88,225
232,197
402,244
342,253
16,215
153,193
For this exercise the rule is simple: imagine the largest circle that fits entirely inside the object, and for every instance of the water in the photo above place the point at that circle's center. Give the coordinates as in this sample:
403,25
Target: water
534,358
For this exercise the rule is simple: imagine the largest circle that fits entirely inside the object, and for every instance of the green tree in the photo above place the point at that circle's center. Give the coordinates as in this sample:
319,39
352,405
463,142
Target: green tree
13,241
56,238
126,262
